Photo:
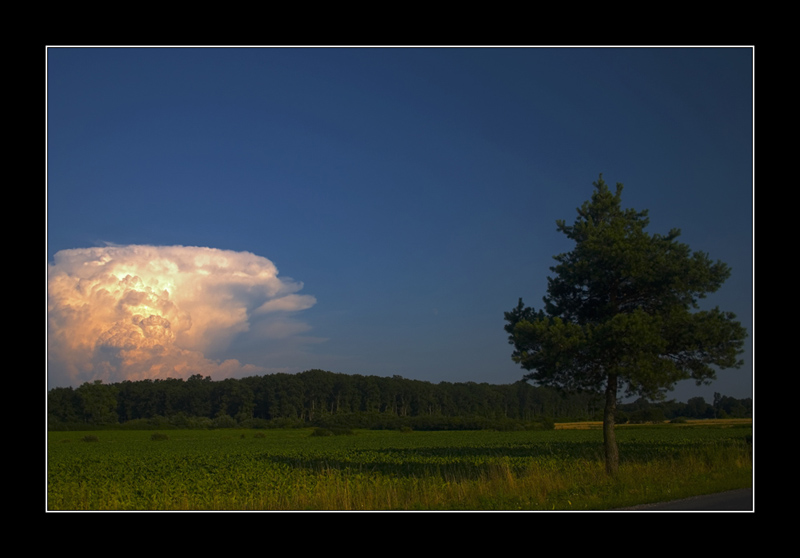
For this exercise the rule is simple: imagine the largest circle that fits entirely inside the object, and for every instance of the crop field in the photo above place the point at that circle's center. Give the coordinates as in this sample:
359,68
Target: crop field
290,469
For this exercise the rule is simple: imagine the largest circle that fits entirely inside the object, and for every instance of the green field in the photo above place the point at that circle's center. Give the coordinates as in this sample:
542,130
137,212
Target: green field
289,469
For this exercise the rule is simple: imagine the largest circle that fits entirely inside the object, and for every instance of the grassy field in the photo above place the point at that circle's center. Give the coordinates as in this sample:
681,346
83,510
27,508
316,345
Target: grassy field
390,470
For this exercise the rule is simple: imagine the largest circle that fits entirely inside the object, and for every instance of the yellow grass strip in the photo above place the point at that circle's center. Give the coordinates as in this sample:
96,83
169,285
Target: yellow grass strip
596,424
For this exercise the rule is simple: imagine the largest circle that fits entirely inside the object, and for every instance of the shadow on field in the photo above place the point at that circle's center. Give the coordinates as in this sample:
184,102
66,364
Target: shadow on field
448,462
472,462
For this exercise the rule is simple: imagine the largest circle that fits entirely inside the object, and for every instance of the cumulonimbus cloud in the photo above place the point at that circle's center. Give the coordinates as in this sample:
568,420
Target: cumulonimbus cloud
136,312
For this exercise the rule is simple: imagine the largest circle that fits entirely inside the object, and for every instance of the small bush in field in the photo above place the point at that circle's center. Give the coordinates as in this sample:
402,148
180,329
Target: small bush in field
90,438
158,437
342,432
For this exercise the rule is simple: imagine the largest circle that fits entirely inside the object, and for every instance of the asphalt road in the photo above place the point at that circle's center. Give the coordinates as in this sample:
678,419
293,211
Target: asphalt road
734,500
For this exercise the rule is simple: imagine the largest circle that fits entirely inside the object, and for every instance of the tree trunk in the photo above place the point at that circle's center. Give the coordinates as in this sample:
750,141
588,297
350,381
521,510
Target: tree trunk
609,437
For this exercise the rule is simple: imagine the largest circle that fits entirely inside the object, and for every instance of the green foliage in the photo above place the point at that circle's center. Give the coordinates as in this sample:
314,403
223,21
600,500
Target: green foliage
63,406
332,432
224,421
625,303
312,398
325,399
90,438
98,402
342,432
158,437
622,313
391,470
255,423
651,414
729,407
542,423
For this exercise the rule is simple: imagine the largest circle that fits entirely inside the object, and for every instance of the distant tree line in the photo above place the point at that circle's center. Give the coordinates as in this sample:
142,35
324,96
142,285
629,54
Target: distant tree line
722,406
320,398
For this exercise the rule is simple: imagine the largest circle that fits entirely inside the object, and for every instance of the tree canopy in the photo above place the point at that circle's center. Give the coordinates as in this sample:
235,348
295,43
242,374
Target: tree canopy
622,312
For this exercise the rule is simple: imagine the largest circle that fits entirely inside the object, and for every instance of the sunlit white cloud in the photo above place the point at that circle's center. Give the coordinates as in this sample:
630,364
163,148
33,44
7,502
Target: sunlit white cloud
288,303
135,312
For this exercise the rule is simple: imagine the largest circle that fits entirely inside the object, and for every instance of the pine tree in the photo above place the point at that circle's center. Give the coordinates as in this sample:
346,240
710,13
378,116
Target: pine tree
622,313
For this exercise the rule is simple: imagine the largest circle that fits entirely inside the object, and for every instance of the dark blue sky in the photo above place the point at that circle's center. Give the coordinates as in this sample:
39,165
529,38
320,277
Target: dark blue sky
413,191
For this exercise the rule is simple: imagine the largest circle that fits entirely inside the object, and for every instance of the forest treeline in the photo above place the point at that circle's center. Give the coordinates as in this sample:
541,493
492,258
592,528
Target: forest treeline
321,398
